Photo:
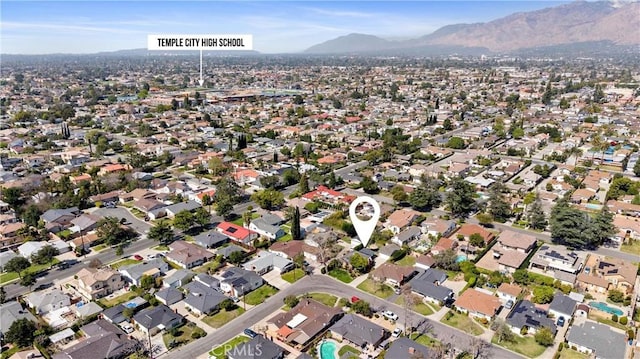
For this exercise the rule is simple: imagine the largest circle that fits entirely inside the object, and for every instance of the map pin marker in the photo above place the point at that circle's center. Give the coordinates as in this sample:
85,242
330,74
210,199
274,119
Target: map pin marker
364,228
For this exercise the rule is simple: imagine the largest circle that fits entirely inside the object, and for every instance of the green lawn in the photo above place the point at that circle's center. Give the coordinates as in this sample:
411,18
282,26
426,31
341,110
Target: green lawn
108,303
526,346
324,298
462,322
138,213
348,349
160,248
633,248
370,286
260,295
568,353
222,317
407,261
240,221
286,238
341,275
10,352
122,263
99,247
293,276
421,307
219,351
212,265
36,268
184,337
424,339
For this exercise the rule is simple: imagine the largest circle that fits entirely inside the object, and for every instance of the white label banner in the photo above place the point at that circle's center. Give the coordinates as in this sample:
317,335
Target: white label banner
200,42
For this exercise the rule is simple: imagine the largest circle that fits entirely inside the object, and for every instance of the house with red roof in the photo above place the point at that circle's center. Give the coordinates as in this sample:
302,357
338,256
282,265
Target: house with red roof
237,233
328,195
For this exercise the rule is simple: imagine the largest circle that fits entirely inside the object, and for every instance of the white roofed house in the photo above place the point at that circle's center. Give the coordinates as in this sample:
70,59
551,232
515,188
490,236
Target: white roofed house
46,301
265,229
267,261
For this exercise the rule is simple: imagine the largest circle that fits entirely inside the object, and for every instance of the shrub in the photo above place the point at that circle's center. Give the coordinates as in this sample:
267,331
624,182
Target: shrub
449,315
291,301
614,318
560,347
630,334
524,331
623,320
198,333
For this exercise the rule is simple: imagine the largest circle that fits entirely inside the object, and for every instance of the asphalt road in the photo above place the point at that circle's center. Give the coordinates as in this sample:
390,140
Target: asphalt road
317,283
134,222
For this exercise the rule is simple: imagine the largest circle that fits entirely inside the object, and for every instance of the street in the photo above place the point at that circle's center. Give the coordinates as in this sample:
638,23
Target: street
318,283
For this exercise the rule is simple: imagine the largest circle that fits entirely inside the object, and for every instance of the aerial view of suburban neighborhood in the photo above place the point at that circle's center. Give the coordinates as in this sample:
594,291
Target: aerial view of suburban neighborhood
472,193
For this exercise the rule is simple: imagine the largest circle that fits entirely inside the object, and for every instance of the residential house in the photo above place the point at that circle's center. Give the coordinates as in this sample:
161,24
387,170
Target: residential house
169,295
603,274
526,314
478,304
304,322
153,268
202,299
359,331
237,233
385,252
468,229
599,340
628,228
291,249
257,348
509,292
392,274
150,206
238,281
5,257
136,195
86,310
265,229
208,280
401,219
428,284
327,195
404,347
512,250
12,311
210,239
46,301
407,235
188,255
178,279
114,314
30,248
84,223
60,217
562,306
557,260
97,283
176,208
516,241
437,227
101,340
226,251
156,319
265,261
9,234
425,261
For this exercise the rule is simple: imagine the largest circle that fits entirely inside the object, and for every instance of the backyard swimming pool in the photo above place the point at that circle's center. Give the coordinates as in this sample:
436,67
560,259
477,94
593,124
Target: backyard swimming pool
461,258
328,350
605,308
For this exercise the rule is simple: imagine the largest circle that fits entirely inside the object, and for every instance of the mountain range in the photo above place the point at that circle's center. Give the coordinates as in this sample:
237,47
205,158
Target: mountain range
600,24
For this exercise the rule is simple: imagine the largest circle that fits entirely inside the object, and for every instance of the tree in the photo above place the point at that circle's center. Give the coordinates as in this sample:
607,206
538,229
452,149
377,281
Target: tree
521,276
236,257
568,225
3,295
535,215
303,185
636,168
21,332
362,307
456,143
291,301
227,305
161,232
296,233
270,182
503,331
517,133
359,262
127,312
31,215
479,348
110,231
228,188
461,200
543,294
217,167
485,219
147,282
499,208
224,207
600,228
268,199
290,177
247,216
201,217
13,196
616,296
476,240
45,255
426,196
447,125
183,220
17,265
369,186
446,260
28,280
399,193
544,337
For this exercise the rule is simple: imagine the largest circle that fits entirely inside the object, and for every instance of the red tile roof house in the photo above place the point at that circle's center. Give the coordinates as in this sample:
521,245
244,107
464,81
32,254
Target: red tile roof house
328,195
467,229
237,233
516,241
443,244
478,304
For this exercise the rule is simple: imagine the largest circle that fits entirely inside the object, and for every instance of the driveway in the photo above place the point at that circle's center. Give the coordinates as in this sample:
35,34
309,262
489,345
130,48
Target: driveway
274,278
138,225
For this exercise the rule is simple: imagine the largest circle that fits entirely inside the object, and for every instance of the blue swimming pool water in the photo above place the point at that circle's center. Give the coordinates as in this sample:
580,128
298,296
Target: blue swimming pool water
130,305
461,258
593,206
605,308
328,350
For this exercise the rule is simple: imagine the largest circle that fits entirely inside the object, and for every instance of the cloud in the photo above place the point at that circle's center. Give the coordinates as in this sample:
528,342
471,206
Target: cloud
10,25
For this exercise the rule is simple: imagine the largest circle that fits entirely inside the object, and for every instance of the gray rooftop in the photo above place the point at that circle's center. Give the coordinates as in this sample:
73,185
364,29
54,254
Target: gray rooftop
407,348
257,348
358,330
210,239
169,295
607,343
563,304
10,312
526,314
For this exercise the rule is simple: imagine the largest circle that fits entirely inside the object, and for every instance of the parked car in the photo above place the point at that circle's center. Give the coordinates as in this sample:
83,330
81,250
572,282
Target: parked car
235,299
397,290
354,299
250,333
509,304
138,257
390,315
560,322
396,332
127,328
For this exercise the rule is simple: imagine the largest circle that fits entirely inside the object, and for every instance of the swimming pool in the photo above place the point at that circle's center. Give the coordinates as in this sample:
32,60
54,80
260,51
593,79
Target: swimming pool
595,206
605,308
328,350
131,305
461,258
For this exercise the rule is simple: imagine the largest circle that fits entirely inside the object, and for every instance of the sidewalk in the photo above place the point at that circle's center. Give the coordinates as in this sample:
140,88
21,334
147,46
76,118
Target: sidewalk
358,280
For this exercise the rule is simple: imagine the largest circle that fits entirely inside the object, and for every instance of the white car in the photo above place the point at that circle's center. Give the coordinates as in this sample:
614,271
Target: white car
390,315
127,328
396,333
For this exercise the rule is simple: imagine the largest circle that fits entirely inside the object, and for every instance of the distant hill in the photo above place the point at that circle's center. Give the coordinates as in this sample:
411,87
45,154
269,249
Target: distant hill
616,24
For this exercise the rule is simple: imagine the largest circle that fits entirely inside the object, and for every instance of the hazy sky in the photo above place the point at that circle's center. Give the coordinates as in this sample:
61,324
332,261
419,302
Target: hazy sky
40,27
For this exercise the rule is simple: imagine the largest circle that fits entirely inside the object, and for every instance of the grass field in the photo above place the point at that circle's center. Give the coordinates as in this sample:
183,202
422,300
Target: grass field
568,353
183,338
222,317
220,350
633,248
424,339
213,265
122,263
370,286
293,276
463,323
260,295
526,346
349,349
324,298
36,268
421,307
341,275
407,261
108,303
